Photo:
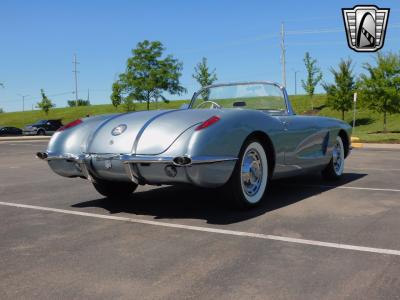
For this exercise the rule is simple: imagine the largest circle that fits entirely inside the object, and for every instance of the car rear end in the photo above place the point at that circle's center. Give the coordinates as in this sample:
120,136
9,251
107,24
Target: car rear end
155,147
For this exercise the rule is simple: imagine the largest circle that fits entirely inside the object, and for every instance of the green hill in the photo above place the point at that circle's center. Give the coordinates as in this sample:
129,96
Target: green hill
368,125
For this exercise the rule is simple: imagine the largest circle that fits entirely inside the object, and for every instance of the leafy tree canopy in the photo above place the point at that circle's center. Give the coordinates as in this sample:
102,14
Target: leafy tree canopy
79,102
340,94
204,76
46,103
148,74
314,75
380,87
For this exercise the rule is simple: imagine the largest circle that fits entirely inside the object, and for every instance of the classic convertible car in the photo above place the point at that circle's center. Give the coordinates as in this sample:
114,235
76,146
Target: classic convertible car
237,136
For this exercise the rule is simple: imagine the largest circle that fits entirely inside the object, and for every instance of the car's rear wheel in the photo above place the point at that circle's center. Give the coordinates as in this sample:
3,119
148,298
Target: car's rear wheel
249,180
114,189
41,132
334,170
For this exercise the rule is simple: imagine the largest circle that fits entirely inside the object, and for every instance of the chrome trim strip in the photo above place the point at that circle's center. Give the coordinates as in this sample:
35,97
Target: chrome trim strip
148,122
101,157
66,156
133,176
211,159
85,171
129,159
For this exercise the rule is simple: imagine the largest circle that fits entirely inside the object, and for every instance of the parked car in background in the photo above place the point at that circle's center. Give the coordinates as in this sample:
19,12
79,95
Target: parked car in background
9,131
42,127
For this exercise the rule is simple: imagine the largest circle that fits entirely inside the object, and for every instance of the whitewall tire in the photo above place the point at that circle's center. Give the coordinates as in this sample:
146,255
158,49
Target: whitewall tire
335,168
249,180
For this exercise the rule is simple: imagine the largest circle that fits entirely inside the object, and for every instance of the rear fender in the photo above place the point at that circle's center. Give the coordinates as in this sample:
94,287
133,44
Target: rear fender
74,140
227,136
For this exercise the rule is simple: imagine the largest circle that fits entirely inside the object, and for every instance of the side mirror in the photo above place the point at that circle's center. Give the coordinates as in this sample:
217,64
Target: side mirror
184,106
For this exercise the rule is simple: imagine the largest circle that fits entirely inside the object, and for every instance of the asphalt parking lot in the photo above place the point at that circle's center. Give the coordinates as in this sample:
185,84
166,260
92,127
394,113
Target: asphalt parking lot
312,240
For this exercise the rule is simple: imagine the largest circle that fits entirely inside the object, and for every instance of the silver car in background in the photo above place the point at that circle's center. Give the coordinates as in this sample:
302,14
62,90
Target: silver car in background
237,136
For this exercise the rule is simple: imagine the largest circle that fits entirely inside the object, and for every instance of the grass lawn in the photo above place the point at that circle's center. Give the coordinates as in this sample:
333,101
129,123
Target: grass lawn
68,114
367,125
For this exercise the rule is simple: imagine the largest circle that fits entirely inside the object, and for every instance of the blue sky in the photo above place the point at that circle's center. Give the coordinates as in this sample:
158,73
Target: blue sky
239,38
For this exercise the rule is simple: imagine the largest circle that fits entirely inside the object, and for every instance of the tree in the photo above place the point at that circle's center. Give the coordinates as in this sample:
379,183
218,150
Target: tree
340,94
203,76
148,75
79,102
116,98
380,88
129,104
314,76
1,110
46,103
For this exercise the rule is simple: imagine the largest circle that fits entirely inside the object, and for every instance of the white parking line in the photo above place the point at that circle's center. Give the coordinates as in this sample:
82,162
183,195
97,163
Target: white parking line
345,187
211,230
23,143
372,169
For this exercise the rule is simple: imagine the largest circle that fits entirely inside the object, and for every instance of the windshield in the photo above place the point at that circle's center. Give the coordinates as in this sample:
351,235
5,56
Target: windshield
260,96
40,122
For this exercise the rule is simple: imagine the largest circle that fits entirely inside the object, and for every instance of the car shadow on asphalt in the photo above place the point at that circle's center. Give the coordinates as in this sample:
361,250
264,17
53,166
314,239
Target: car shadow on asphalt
188,202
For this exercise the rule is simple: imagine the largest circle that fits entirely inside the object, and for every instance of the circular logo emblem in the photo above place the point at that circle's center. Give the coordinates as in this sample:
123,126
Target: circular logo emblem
119,129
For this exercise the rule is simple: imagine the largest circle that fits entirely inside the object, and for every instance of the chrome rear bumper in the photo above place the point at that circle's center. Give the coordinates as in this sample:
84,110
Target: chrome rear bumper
85,165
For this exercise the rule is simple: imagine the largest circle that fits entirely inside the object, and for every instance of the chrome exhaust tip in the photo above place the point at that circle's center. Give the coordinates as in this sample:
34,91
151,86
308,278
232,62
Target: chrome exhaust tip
182,161
41,155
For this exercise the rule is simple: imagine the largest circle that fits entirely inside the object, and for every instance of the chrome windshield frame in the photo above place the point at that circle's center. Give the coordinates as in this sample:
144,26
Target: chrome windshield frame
289,110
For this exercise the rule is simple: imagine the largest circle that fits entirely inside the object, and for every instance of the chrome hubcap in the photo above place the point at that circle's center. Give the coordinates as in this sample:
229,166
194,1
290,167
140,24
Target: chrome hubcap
337,158
251,172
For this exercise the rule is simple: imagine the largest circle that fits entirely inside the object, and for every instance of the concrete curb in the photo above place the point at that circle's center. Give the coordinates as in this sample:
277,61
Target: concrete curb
355,143
391,147
24,138
373,146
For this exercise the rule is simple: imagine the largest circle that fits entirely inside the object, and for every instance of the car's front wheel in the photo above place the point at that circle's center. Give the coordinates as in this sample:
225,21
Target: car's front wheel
334,170
114,189
249,180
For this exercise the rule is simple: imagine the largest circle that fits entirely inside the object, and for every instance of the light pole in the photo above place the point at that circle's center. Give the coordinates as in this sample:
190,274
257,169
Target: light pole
283,55
23,101
75,71
354,111
295,81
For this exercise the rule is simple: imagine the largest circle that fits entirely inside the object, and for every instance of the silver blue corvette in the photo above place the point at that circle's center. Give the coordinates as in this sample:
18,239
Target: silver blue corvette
237,136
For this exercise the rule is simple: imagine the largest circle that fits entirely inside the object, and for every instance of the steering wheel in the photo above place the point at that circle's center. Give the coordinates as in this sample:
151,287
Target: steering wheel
213,104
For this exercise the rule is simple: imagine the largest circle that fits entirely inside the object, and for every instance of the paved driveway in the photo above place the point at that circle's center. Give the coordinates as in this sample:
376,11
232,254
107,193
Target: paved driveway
312,240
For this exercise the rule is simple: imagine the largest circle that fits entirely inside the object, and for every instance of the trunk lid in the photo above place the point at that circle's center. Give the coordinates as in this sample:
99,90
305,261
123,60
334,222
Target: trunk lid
147,132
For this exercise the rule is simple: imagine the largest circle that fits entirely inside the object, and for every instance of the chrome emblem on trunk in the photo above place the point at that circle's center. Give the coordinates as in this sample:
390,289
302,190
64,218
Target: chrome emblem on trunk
119,129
